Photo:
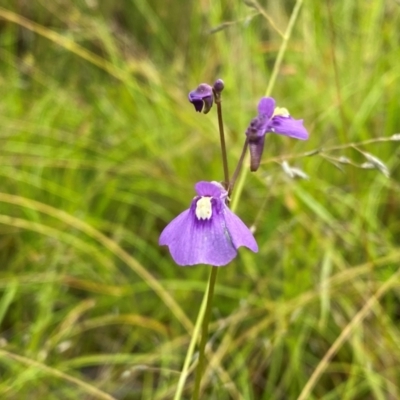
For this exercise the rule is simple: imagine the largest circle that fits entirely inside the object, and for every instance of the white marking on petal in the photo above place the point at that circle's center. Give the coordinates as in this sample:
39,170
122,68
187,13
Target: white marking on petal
281,111
204,208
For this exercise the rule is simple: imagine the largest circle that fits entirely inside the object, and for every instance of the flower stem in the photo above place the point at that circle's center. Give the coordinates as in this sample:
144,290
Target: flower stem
282,49
192,345
204,314
204,332
238,167
222,139
213,275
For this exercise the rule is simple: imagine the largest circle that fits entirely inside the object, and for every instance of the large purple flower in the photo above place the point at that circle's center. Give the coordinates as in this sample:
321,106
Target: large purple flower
208,232
271,119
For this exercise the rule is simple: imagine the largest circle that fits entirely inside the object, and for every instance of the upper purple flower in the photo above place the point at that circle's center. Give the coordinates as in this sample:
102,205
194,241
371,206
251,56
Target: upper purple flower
202,97
271,119
208,232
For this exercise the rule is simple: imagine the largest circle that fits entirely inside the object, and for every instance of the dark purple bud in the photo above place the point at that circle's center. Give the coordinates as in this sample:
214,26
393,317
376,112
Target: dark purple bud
202,97
256,135
219,86
256,147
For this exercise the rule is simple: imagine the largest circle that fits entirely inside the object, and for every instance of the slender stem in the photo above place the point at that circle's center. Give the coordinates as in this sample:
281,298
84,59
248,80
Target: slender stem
238,167
332,32
193,341
282,49
261,10
222,139
239,188
203,317
214,270
204,332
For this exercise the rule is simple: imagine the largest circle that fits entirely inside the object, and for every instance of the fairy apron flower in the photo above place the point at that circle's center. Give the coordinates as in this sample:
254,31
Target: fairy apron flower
271,119
208,232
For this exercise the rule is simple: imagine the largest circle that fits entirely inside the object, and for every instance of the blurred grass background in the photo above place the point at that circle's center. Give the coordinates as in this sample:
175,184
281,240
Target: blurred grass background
100,149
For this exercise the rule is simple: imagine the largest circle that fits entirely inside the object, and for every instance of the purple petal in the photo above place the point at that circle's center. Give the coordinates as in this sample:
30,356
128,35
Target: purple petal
256,148
209,189
208,102
239,232
202,91
175,236
257,127
266,106
198,105
288,126
192,241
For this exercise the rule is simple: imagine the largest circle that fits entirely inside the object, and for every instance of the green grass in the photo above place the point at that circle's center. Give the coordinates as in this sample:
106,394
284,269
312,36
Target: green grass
100,149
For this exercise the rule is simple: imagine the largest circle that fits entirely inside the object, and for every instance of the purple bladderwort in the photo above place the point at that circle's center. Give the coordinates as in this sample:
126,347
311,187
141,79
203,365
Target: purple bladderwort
208,232
204,95
271,119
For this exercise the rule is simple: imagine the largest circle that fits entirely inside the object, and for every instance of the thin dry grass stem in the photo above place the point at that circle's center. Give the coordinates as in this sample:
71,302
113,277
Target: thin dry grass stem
122,319
260,9
86,387
335,283
323,150
216,361
346,332
282,49
83,246
108,243
144,69
332,37
227,24
69,322
62,41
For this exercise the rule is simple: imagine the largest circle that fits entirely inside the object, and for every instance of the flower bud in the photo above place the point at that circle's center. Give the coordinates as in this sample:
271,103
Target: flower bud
202,97
219,86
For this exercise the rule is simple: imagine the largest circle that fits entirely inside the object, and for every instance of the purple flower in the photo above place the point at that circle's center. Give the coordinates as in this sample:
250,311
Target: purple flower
271,119
202,97
208,232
